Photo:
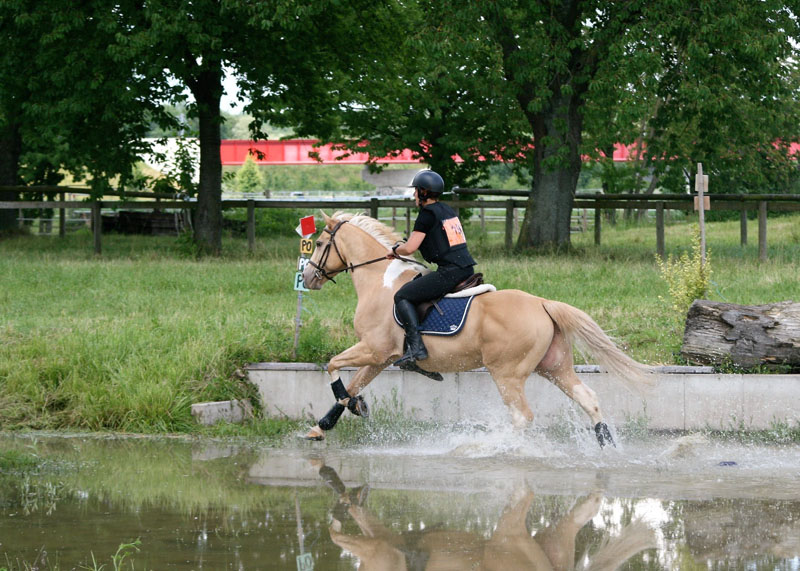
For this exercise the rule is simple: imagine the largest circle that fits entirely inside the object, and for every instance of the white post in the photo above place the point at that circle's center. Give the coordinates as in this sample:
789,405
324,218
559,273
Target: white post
701,186
298,323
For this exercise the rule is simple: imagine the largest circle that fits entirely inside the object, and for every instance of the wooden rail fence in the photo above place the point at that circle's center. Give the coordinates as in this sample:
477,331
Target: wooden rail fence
504,200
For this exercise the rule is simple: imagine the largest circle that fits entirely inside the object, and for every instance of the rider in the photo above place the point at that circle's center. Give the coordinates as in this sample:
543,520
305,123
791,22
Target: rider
440,239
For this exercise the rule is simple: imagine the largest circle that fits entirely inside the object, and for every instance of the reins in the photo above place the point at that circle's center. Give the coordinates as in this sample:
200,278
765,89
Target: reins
320,268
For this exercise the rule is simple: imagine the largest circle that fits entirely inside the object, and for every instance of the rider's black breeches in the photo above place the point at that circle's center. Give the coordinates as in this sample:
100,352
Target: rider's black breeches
433,285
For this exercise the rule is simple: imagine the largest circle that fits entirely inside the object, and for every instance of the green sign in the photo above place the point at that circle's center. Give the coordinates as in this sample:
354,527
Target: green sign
299,285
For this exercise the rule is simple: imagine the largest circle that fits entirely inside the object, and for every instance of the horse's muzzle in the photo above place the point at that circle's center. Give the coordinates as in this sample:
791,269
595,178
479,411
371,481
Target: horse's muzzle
312,278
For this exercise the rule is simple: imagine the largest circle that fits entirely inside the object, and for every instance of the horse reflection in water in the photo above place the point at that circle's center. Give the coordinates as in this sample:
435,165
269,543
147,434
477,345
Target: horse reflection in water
511,545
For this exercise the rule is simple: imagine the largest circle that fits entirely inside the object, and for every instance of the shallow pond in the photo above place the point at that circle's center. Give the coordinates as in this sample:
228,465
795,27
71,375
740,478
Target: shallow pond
471,500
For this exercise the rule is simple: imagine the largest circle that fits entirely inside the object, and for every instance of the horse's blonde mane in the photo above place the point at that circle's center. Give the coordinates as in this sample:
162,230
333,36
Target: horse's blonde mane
375,228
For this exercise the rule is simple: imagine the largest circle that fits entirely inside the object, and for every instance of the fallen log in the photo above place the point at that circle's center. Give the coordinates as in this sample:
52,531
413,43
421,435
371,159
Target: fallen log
743,335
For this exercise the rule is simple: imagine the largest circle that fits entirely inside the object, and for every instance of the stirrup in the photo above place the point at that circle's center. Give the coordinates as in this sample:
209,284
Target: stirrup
409,359
406,361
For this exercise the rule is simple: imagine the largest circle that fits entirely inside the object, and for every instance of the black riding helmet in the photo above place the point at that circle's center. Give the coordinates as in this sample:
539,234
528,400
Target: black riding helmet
428,183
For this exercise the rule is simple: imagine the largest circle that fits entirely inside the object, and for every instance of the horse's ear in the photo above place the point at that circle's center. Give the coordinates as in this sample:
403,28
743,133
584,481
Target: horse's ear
329,222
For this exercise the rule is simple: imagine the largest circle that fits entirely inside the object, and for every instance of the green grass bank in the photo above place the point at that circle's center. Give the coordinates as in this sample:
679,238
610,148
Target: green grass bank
129,340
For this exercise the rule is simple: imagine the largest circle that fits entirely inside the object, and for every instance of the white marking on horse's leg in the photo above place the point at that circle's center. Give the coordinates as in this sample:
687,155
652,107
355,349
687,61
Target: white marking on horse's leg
316,433
518,418
587,399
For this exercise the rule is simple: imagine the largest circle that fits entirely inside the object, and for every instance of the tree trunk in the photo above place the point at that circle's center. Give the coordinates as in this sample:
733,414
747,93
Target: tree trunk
744,335
556,167
10,149
207,91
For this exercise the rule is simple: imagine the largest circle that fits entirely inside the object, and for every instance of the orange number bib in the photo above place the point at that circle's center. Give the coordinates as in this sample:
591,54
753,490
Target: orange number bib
455,234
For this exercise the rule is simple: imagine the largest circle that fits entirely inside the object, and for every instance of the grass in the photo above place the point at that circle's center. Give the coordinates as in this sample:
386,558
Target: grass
129,340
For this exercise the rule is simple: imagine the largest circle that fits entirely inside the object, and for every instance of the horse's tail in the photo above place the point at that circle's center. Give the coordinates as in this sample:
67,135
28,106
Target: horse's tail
583,332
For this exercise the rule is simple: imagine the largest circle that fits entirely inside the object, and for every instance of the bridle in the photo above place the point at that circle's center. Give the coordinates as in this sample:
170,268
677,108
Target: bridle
319,269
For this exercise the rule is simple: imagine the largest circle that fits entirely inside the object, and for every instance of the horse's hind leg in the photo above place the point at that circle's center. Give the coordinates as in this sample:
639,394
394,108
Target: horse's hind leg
557,366
512,391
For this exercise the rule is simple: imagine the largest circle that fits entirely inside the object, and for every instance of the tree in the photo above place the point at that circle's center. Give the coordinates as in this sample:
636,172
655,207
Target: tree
718,86
284,53
566,78
430,93
65,103
99,72
12,91
248,178
713,66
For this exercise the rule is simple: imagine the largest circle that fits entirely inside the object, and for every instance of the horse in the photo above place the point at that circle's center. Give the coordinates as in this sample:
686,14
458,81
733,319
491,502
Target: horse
510,332
511,544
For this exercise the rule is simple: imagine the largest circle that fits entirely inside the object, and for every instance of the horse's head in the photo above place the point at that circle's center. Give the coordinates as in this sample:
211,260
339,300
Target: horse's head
327,259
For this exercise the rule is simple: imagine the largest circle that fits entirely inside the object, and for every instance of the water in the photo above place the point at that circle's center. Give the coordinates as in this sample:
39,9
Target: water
457,500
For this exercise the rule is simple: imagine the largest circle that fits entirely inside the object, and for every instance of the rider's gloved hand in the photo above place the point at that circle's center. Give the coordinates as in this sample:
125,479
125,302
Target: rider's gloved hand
393,254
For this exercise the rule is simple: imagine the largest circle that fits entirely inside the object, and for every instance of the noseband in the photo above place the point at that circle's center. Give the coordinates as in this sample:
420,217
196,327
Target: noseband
321,272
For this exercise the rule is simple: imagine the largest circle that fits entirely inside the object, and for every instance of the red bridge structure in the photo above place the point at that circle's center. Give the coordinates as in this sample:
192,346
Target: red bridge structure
303,152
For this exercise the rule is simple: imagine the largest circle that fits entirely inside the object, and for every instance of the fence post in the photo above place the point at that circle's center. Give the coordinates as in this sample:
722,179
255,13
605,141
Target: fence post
408,221
97,225
483,218
251,225
598,216
762,231
62,218
743,225
660,229
373,208
509,224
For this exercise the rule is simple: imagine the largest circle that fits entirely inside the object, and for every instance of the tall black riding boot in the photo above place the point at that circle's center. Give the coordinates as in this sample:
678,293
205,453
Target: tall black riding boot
415,350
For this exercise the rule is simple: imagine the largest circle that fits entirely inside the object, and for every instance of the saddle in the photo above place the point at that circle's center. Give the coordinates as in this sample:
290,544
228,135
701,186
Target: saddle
425,307
471,286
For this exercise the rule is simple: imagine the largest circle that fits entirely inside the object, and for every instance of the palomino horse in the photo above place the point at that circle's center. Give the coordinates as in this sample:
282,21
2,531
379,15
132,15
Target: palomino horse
510,332
510,545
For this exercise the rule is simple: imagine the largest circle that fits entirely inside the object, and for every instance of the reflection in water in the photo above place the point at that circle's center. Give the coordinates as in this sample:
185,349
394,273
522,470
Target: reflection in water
198,505
510,545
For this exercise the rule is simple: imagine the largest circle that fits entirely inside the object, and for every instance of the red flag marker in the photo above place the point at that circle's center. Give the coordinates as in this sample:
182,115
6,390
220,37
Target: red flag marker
307,226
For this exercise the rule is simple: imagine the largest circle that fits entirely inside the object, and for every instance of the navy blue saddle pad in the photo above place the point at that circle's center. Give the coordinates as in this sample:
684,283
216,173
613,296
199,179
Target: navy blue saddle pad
455,311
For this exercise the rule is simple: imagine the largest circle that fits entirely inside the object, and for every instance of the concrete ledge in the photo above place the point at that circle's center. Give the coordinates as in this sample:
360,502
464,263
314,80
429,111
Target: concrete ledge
685,398
233,411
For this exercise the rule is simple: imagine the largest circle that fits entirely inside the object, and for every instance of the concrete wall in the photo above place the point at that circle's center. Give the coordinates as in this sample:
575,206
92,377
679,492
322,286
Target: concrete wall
685,398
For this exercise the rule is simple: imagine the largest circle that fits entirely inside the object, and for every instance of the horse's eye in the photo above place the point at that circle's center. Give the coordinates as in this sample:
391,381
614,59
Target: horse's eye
319,243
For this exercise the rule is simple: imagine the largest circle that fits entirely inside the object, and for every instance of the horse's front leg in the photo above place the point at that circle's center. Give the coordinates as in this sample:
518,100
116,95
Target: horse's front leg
371,363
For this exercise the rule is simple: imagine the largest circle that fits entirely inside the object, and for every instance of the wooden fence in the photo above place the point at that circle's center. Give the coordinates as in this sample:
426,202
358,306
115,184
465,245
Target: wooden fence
509,202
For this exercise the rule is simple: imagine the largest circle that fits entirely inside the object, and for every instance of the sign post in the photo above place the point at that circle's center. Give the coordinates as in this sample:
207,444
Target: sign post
305,229
305,562
701,204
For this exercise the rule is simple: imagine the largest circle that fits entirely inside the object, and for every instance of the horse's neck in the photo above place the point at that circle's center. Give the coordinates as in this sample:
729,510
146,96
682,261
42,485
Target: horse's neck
375,283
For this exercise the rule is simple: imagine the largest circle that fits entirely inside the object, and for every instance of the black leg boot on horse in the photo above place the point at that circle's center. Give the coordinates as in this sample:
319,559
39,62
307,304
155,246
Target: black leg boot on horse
415,348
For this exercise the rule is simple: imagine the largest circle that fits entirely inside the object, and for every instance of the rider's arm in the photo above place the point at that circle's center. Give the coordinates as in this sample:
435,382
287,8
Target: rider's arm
410,246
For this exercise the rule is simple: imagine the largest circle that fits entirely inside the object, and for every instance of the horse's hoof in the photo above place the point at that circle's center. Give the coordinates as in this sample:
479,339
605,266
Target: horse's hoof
315,434
603,435
358,496
358,406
